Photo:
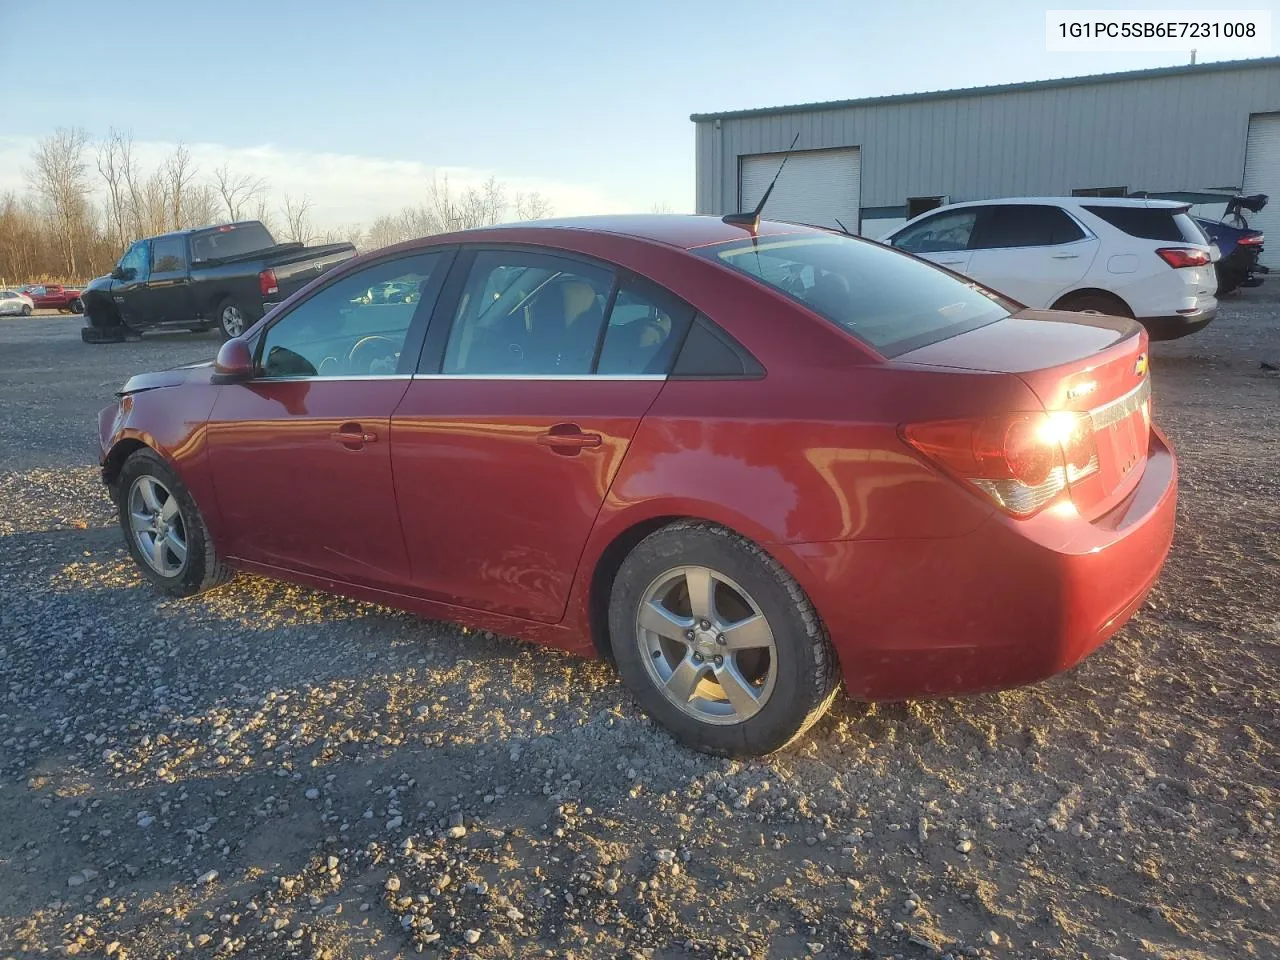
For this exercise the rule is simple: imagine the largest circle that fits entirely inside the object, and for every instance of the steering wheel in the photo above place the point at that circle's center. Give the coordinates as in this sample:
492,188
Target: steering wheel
364,365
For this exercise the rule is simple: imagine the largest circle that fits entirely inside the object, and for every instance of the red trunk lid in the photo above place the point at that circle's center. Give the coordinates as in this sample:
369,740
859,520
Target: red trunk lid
1071,361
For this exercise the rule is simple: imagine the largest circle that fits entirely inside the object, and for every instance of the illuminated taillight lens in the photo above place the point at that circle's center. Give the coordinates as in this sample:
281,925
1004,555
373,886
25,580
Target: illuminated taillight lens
267,282
1184,256
1022,462
1250,241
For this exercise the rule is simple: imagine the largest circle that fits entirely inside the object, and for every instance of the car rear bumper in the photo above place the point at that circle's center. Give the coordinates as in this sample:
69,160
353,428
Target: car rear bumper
1179,324
1011,603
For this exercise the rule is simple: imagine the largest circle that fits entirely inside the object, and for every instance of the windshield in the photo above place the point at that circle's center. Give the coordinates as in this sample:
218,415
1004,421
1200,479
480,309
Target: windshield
232,240
890,301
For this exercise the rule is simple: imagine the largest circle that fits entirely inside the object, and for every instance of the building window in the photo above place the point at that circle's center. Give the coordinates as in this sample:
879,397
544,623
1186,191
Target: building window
919,205
1101,192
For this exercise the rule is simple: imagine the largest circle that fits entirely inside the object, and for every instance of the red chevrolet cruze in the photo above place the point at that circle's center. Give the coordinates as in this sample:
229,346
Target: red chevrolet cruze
746,463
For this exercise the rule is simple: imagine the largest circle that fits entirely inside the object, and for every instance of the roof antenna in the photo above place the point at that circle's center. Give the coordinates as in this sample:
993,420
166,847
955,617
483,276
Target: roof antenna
752,220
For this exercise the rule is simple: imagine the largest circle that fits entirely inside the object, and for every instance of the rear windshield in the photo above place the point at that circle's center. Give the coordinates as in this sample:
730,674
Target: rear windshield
887,299
1151,223
233,240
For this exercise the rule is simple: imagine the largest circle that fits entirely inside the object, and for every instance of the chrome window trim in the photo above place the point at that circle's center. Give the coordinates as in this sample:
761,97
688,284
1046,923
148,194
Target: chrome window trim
524,377
376,376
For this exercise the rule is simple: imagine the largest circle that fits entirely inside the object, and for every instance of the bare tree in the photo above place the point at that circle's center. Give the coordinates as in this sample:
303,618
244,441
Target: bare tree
238,191
297,217
60,177
201,206
262,213
661,206
532,206
112,154
179,174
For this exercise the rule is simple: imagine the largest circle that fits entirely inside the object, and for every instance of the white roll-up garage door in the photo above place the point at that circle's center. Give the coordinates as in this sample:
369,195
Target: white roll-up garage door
1261,175
817,186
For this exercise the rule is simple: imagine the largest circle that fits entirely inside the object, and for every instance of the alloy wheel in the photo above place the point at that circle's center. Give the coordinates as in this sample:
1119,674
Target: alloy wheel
706,645
232,320
157,526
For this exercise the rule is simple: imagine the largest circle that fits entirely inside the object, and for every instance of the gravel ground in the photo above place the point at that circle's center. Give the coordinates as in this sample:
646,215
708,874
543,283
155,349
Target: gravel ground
267,771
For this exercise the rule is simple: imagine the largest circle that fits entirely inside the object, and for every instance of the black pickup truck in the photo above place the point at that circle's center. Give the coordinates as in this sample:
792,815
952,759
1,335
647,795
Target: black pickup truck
223,277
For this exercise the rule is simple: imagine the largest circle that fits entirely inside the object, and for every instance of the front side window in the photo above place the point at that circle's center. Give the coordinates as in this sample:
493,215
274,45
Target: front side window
354,327
938,234
891,302
167,255
1025,225
134,261
524,314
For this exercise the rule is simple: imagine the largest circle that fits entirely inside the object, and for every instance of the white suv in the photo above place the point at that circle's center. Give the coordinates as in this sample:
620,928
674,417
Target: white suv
1145,259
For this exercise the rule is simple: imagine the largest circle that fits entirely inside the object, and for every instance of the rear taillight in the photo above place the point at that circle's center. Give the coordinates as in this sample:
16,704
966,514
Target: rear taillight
1250,241
1184,256
267,282
1021,462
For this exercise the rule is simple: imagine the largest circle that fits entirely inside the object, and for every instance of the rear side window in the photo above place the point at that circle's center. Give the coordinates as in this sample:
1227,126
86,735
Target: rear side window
1151,223
167,255
1025,225
646,325
891,302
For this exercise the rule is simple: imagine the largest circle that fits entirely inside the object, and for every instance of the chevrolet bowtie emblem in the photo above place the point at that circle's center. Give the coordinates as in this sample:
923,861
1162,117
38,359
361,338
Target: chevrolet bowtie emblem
1140,365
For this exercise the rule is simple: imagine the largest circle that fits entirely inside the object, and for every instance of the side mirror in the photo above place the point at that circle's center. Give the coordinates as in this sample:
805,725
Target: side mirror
234,363
123,273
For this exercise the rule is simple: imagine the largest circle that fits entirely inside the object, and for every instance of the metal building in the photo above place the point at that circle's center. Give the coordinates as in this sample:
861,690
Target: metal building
1176,131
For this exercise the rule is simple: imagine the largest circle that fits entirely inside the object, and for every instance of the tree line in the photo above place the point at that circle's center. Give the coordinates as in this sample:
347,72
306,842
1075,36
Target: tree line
86,201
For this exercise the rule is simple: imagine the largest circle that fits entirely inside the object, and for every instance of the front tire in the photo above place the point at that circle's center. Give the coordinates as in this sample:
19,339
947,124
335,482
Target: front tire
718,643
164,530
26,311
232,320
77,305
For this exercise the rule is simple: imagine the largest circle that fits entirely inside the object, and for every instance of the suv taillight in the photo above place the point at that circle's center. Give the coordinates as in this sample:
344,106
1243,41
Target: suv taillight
1021,462
267,283
1253,240
1184,256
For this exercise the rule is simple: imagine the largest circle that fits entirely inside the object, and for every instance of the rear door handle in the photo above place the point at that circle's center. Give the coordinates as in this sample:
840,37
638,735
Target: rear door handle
568,438
950,263
353,435
1066,256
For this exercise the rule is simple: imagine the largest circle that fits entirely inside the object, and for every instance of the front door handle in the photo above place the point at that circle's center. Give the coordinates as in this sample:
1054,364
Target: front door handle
353,435
949,263
1066,256
568,439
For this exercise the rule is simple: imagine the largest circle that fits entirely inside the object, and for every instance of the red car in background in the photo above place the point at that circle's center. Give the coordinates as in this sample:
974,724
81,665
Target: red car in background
54,296
748,463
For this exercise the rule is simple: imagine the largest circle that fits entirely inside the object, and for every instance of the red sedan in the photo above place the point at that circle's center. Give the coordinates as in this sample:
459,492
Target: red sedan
746,464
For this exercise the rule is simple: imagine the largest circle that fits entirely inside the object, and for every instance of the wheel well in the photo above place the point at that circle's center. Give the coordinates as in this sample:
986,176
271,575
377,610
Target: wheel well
97,309
121,452
606,570
1060,303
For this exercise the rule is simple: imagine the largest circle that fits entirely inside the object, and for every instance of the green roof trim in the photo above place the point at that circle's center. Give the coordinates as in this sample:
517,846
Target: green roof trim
1220,66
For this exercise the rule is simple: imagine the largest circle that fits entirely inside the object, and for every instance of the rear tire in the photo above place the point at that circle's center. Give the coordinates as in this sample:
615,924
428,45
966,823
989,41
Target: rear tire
77,305
232,320
747,696
164,530
1104,303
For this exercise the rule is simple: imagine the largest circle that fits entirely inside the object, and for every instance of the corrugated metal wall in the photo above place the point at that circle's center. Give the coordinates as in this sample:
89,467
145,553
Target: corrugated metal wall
1157,133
